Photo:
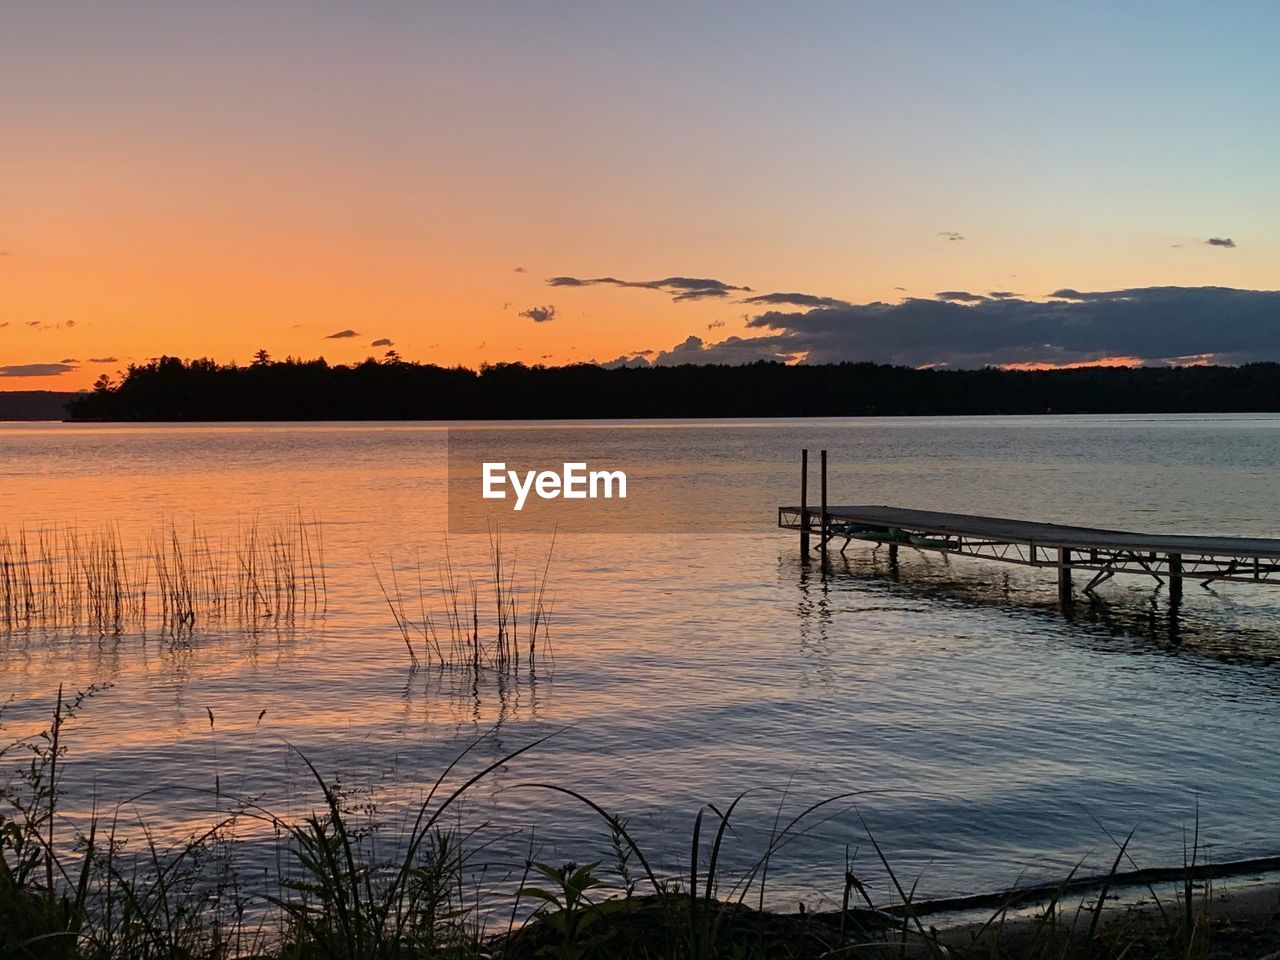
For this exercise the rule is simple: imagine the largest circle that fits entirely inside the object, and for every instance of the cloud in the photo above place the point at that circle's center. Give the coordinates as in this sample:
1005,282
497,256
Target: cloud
794,300
633,360
519,270
715,324
950,235
342,335
1153,324
382,342
1001,294
103,360
734,350
69,360
539,314
41,326
36,369
678,288
1221,242
963,296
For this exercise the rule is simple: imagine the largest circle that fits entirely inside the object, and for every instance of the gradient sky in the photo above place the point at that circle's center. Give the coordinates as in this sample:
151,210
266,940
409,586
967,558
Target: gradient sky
208,179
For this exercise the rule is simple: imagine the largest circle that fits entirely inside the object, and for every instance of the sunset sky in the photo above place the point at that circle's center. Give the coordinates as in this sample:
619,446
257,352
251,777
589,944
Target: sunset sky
917,178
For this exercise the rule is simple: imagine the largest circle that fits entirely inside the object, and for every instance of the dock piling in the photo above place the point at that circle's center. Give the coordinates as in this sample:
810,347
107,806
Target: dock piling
825,518
804,504
1064,575
1175,577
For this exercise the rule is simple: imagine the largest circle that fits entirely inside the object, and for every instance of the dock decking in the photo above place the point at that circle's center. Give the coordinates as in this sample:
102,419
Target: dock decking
1105,552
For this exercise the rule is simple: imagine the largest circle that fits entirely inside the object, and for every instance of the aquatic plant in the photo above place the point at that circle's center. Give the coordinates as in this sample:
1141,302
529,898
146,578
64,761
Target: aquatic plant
458,633
65,577
93,896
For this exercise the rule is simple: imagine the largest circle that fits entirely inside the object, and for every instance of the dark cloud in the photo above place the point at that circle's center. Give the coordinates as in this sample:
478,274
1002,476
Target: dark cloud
963,296
518,270
103,360
36,369
69,360
342,335
795,300
1151,324
1220,242
382,342
679,288
539,314
626,360
715,324
950,235
734,350
1001,294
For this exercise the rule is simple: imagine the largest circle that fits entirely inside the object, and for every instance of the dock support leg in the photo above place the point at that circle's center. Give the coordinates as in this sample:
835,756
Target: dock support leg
1064,575
1175,577
893,557
804,504
825,520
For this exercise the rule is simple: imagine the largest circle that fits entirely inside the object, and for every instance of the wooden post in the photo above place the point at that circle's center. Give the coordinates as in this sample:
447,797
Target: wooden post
804,504
1064,575
1175,577
825,520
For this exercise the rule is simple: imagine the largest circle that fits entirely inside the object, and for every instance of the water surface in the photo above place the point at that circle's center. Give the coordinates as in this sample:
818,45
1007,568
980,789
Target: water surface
993,737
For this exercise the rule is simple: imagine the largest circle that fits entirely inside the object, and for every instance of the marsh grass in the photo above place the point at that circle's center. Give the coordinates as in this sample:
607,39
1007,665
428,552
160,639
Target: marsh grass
104,892
461,621
178,578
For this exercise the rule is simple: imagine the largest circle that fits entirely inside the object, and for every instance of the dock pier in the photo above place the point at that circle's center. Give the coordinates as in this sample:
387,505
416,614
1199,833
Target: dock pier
1065,548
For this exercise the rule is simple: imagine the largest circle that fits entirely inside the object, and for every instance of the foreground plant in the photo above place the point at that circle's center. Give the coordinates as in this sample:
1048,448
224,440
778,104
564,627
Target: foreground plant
91,896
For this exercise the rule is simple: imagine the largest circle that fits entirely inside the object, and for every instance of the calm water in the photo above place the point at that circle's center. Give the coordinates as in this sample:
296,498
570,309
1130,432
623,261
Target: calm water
996,739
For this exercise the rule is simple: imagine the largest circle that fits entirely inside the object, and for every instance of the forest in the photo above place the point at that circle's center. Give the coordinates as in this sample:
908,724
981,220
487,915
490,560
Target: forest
169,388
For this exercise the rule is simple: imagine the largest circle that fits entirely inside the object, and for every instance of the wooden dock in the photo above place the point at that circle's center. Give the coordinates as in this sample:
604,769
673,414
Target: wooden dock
1165,557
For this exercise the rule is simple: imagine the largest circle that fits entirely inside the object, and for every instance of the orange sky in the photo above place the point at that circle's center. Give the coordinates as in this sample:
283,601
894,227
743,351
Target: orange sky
209,181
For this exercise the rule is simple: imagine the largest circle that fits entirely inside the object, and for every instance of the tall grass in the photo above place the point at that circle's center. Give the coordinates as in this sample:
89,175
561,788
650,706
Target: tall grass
100,894
177,578
458,620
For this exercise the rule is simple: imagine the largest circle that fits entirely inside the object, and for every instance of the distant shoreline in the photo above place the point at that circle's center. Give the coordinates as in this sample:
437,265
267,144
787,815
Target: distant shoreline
174,390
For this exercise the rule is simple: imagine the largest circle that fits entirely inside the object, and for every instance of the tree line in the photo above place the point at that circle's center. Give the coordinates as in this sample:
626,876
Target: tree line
169,388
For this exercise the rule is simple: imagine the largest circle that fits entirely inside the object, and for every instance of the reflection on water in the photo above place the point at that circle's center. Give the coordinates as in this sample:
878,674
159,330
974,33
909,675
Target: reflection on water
1138,618
989,731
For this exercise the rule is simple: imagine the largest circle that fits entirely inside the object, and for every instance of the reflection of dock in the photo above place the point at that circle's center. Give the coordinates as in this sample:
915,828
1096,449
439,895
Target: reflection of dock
1033,544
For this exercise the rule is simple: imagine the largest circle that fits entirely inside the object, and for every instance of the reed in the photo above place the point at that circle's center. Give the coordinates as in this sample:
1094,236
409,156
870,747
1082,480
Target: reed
68,577
107,896
447,624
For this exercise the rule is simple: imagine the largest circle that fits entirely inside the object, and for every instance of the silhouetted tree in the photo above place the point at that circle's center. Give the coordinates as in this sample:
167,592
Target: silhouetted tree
168,388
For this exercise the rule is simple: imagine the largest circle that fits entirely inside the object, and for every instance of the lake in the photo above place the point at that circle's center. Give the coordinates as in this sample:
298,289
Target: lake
991,738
